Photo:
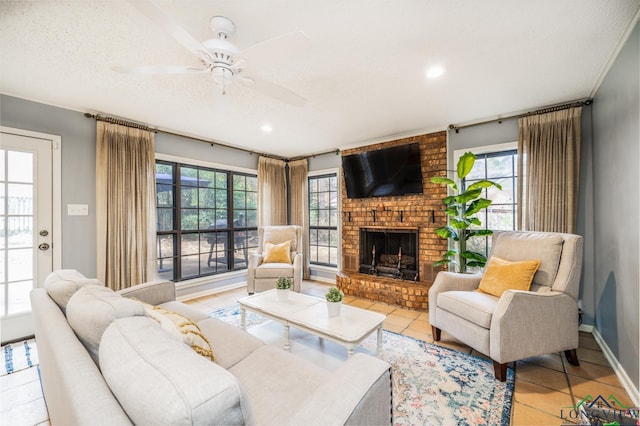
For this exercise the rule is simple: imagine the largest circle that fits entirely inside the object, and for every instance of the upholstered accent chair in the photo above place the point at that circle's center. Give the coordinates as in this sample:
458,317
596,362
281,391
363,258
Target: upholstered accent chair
266,266
518,324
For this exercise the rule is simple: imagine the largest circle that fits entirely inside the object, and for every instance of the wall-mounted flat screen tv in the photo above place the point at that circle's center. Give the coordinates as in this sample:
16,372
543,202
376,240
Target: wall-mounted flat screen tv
383,172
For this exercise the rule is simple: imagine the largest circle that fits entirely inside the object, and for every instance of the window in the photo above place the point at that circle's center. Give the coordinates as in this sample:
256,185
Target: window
499,167
323,219
207,220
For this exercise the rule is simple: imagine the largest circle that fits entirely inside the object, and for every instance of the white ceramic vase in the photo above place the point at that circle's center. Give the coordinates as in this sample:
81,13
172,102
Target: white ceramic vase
283,294
333,308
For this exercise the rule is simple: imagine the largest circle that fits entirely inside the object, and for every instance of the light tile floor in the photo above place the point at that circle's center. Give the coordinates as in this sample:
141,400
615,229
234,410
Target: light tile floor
546,387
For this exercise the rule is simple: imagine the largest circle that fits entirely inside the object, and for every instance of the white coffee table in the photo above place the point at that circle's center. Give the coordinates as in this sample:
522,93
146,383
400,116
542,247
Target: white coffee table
309,314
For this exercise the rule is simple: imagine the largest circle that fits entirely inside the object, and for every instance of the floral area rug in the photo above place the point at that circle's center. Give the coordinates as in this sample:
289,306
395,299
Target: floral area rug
18,356
432,385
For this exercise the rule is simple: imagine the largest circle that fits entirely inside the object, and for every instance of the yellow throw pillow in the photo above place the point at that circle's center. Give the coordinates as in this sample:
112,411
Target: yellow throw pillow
277,253
182,328
501,275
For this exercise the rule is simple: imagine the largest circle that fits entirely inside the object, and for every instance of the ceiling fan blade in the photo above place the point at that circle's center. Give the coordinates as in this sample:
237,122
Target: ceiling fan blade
247,81
159,69
276,48
152,12
275,91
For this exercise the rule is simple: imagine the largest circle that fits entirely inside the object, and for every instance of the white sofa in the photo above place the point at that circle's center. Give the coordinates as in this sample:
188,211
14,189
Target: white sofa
102,361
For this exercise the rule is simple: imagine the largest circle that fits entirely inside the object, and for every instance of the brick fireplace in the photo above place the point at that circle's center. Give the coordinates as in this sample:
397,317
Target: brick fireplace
397,225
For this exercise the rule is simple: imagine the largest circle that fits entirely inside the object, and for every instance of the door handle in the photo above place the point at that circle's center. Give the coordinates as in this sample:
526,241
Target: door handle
44,246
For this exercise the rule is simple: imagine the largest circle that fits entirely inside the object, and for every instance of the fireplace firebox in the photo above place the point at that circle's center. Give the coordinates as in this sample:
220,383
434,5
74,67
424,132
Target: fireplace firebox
389,252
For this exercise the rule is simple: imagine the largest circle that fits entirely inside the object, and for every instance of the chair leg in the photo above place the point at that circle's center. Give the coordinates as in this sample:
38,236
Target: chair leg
572,357
436,333
500,370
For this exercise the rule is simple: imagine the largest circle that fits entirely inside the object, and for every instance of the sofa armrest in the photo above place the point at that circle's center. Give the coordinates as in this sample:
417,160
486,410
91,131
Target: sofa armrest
527,323
152,292
450,281
255,260
359,392
454,281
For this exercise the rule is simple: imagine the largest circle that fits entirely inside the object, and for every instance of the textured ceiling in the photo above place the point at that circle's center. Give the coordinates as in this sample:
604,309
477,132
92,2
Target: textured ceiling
362,69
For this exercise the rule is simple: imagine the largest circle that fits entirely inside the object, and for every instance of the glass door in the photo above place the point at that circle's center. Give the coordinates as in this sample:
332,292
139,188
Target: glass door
25,227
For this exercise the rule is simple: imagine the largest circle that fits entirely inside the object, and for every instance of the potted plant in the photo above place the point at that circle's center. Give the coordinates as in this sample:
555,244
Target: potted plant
334,298
283,284
461,208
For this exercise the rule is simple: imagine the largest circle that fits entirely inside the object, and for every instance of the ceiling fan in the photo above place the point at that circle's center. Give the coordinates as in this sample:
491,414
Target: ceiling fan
218,56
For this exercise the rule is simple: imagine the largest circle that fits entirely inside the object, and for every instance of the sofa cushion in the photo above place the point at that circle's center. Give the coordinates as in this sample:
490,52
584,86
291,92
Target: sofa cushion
158,380
92,308
502,275
230,343
278,383
516,246
63,283
471,305
277,253
274,270
182,329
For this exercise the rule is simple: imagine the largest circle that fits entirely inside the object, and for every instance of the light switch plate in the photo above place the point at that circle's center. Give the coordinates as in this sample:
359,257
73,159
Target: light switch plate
77,210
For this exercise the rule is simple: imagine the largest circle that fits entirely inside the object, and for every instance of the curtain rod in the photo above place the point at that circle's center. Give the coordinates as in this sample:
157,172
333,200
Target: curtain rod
119,121
544,110
210,142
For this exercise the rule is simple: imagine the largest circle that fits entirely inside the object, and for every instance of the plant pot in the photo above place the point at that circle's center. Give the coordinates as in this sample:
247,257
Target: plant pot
333,308
283,294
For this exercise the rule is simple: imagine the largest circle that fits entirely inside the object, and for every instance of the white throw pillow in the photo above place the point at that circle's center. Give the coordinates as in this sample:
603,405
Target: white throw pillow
63,283
92,308
159,380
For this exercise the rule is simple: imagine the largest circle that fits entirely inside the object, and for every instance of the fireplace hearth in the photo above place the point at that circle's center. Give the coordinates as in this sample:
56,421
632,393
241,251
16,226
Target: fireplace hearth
389,252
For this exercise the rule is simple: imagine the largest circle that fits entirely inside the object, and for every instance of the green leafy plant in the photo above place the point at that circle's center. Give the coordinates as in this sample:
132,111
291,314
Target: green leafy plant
283,283
334,294
461,208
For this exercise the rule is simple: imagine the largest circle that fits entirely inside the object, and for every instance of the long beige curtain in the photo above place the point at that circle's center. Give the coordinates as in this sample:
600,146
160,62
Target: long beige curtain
125,205
299,206
272,192
549,170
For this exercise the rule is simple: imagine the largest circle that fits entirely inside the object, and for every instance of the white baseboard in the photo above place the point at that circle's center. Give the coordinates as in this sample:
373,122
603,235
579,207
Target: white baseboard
206,286
323,279
586,328
203,293
626,382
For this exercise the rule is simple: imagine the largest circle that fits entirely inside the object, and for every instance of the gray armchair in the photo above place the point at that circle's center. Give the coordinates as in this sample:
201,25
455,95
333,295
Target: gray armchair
262,276
519,324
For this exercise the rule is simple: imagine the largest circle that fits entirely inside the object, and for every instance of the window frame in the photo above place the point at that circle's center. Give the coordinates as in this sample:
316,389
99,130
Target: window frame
230,229
337,228
494,151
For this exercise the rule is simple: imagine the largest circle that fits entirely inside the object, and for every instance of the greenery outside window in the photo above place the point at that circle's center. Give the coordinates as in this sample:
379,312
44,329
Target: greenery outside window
207,220
500,167
323,219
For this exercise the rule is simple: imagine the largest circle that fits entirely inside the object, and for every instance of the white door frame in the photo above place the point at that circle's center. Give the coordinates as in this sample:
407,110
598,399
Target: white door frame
24,324
56,202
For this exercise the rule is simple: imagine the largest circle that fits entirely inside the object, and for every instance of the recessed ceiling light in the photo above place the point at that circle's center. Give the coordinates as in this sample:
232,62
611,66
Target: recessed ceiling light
435,71
266,128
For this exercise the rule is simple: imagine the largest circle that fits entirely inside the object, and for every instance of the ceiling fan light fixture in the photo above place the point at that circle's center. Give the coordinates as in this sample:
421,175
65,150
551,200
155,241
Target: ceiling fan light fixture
222,77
